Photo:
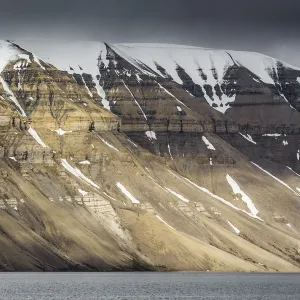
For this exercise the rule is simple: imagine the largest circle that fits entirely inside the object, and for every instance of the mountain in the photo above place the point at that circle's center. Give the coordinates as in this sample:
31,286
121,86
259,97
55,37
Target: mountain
147,157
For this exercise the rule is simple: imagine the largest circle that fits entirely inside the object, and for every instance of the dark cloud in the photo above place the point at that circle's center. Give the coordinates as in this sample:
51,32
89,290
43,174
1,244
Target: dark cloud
269,26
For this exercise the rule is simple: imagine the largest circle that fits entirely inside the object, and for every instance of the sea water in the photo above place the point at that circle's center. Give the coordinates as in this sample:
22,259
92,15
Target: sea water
138,285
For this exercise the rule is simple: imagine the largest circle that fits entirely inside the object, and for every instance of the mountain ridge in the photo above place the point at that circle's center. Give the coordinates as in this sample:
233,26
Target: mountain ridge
198,173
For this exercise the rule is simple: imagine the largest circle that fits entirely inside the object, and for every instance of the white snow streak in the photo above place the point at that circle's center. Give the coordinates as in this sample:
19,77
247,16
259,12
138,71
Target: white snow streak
170,152
171,95
38,62
135,145
36,137
110,197
237,231
206,191
127,194
248,137
88,90
177,195
160,219
275,135
293,171
60,131
11,96
77,173
277,179
207,143
134,99
237,190
101,93
85,162
108,144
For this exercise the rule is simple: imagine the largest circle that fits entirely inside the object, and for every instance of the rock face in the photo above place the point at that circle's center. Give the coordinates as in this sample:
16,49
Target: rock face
155,158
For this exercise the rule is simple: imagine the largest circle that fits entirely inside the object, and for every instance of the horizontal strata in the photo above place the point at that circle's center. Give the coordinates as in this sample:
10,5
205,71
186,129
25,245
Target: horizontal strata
147,157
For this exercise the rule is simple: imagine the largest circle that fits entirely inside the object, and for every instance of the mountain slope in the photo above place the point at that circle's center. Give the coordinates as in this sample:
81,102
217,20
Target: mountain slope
175,172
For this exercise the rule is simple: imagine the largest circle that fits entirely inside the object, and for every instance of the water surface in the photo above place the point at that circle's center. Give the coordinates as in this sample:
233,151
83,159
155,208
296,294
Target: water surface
148,286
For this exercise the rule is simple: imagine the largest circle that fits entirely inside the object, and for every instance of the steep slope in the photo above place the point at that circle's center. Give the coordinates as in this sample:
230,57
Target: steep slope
165,180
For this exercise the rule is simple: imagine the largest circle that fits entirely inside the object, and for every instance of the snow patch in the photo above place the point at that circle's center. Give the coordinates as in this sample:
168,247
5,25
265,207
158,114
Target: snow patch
248,137
36,59
11,94
259,64
60,131
170,152
36,137
85,162
237,231
293,171
87,88
127,194
135,145
177,195
160,219
237,190
138,78
8,53
77,173
134,99
109,197
277,179
151,135
82,192
169,93
208,144
275,135
13,158
108,144
206,191
213,63
101,93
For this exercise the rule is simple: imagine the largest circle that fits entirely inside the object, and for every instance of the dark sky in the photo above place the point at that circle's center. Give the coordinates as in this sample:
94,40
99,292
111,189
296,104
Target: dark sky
268,26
